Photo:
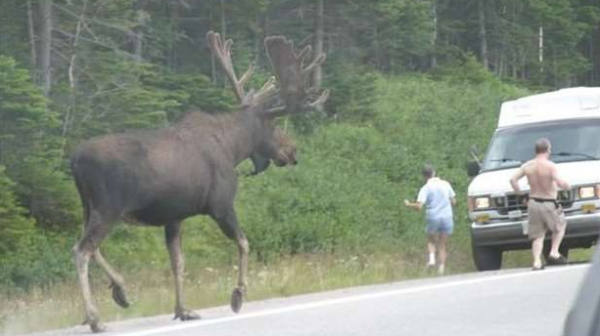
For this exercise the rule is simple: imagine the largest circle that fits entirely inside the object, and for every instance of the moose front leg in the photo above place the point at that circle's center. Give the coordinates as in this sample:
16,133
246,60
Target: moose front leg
230,227
95,230
237,297
173,239
117,284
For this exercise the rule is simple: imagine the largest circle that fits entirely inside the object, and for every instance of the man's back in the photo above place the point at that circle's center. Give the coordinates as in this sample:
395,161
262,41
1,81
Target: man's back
540,175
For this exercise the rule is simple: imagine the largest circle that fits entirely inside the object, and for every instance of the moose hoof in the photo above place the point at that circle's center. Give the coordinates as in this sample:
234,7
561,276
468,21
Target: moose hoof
118,295
237,299
186,315
97,327
94,323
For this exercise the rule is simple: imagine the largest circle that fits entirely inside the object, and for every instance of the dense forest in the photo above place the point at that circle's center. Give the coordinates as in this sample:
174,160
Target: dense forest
411,81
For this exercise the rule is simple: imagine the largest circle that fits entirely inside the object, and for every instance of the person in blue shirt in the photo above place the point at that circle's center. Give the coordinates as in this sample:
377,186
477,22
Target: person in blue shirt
438,198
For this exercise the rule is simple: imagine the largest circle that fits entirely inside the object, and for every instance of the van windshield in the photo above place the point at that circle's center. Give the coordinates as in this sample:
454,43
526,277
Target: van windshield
573,140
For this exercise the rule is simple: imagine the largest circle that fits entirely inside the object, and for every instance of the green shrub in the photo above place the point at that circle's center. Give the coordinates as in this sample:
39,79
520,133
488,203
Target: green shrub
344,196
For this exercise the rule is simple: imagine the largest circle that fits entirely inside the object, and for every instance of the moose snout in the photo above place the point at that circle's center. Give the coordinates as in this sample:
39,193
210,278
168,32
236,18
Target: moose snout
291,159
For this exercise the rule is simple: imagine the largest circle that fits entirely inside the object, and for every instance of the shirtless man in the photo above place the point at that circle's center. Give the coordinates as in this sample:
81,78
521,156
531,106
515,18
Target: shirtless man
545,214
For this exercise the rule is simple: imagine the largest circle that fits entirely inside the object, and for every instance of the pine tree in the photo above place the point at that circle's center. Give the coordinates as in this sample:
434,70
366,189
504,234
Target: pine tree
31,150
16,230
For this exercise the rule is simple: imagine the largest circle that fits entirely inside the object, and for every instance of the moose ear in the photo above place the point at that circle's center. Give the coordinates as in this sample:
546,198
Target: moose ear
248,99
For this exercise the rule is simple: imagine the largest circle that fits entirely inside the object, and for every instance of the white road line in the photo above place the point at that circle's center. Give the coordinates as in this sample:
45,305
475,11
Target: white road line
349,299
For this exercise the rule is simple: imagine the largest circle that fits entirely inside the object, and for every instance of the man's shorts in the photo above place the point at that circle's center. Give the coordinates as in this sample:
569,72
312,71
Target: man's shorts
544,216
440,225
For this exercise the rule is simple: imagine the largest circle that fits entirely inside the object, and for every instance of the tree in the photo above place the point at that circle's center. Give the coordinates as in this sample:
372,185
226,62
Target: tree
404,33
16,230
45,56
31,150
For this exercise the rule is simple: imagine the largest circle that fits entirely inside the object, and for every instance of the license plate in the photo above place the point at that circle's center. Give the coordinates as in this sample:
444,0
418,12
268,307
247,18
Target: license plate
515,214
525,226
588,207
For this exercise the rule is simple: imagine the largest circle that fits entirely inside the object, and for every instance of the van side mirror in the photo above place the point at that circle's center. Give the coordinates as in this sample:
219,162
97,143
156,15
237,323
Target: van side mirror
473,168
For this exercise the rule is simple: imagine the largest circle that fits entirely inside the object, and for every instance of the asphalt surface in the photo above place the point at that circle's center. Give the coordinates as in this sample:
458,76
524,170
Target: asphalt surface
516,302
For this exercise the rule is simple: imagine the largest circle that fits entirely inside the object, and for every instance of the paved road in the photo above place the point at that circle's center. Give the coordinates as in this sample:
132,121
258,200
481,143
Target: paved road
518,302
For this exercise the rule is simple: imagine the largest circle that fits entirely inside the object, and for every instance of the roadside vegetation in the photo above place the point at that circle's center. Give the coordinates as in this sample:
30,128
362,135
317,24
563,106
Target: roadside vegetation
334,220
406,89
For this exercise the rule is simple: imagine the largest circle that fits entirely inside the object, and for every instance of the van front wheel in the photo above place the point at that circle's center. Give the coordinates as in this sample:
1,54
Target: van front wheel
487,258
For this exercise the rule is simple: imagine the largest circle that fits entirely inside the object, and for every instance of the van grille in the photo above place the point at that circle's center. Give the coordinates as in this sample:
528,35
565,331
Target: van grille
512,202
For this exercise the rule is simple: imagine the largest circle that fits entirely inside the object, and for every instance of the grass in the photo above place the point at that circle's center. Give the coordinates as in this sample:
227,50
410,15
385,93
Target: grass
151,291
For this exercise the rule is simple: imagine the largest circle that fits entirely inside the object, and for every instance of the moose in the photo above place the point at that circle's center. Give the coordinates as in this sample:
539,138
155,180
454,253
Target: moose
161,177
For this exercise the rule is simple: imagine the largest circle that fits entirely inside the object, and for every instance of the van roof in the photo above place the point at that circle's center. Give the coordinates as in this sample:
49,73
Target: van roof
571,103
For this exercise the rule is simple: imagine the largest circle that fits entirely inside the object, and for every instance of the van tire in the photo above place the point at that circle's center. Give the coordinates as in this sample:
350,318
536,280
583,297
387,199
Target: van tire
487,258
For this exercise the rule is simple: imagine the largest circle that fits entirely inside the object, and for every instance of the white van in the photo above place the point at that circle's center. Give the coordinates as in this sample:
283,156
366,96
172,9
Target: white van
570,118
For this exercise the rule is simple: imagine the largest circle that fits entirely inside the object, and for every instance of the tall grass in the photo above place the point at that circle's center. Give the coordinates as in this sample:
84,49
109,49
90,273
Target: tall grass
152,291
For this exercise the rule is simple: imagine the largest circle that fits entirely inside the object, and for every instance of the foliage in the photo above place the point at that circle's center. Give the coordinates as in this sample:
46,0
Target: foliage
123,101
346,192
354,94
191,92
28,257
465,69
31,150
16,229
125,64
406,30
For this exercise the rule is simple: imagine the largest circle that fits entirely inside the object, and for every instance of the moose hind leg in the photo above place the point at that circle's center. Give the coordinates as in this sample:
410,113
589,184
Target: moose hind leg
117,284
94,232
173,240
230,227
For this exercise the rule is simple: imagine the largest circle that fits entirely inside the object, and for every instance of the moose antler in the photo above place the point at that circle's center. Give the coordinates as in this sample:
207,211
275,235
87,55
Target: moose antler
288,65
222,52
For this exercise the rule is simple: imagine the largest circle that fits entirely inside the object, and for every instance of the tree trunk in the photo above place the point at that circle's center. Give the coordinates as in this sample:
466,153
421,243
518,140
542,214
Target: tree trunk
32,40
223,21
541,48
213,62
138,36
591,57
319,32
45,56
71,73
257,39
434,36
483,35
377,48
173,26
501,63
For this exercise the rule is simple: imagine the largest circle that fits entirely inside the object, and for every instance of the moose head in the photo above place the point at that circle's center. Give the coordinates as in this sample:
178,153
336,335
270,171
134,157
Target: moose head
269,102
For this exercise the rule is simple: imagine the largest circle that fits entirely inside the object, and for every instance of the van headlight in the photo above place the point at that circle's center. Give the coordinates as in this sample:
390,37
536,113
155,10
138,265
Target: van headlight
482,202
587,192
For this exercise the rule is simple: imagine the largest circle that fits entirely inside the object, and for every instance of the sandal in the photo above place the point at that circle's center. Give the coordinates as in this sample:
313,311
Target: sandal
560,260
